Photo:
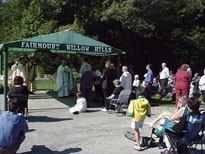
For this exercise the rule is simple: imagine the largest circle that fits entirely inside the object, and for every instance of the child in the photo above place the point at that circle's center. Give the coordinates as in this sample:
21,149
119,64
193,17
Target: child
138,109
136,82
80,106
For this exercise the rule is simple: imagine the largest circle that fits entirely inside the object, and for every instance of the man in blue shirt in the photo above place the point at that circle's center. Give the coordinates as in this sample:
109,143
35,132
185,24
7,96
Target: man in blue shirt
150,76
148,82
12,129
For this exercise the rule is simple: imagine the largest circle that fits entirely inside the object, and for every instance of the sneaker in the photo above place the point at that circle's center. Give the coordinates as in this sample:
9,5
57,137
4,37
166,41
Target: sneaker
104,110
203,103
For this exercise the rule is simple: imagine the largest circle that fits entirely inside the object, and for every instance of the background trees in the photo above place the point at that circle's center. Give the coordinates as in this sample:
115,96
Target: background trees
150,31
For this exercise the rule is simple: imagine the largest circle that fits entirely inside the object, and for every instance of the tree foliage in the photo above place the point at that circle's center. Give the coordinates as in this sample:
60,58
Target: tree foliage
150,31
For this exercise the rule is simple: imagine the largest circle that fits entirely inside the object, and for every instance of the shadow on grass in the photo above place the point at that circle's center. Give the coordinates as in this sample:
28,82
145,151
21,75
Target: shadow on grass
162,102
42,149
46,119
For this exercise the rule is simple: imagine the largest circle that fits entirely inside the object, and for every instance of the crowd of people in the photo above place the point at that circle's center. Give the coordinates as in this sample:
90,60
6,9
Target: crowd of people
107,87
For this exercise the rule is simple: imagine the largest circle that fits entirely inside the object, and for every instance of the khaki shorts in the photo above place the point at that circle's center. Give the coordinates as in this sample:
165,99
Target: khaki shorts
135,124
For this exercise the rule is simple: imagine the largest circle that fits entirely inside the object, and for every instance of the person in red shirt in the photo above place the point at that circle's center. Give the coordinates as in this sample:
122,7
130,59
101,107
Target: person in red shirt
182,82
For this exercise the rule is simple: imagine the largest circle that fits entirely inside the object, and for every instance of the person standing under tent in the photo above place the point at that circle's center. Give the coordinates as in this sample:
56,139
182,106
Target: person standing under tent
86,85
21,69
64,80
126,79
14,70
107,82
31,75
82,68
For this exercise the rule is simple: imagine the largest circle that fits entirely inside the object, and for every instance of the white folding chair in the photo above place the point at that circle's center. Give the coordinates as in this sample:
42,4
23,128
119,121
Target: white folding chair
121,102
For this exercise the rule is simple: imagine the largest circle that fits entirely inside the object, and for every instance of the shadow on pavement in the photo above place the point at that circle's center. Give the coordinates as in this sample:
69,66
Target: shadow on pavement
31,130
46,119
69,101
40,96
90,111
42,149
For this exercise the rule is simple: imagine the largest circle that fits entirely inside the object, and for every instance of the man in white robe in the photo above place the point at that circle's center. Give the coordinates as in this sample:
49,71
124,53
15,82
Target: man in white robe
14,70
126,79
64,80
21,69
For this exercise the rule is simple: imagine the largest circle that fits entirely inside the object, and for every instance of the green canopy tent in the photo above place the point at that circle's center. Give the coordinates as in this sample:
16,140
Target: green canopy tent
61,42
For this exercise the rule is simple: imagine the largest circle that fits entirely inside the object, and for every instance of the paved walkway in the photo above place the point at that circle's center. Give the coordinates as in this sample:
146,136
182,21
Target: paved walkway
53,130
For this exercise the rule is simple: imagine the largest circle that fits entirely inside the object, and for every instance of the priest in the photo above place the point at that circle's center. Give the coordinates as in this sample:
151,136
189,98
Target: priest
64,80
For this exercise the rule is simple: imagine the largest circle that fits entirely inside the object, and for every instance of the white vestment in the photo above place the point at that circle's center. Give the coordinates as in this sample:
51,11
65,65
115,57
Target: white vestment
126,80
64,81
14,71
20,70
80,106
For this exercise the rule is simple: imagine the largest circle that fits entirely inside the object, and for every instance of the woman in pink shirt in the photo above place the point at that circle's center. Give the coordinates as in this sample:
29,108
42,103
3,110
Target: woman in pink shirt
182,82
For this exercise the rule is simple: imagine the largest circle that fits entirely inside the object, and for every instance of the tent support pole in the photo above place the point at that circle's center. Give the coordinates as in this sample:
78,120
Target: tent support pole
5,77
118,66
1,62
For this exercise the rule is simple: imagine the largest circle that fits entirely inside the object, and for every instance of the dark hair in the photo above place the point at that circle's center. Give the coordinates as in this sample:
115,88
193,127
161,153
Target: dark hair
193,104
13,105
196,95
18,80
140,91
79,94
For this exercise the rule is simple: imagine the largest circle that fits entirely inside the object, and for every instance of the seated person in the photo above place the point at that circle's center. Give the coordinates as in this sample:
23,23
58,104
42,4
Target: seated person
115,94
12,129
155,86
19,88
80,106
179,128
136,82
180,111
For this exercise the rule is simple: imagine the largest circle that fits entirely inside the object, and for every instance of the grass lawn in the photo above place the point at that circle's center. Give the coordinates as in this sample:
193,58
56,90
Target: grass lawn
169,103
46,85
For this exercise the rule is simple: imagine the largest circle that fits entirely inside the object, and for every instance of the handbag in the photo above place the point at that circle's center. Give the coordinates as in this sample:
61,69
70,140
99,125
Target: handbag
148,141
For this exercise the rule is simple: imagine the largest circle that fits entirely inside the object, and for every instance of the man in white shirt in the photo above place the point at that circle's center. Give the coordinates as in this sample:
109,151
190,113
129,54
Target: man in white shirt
126,79
164,76
202,87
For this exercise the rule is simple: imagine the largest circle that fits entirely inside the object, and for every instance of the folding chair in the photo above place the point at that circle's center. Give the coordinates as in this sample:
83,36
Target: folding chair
121,102
22,99
192,136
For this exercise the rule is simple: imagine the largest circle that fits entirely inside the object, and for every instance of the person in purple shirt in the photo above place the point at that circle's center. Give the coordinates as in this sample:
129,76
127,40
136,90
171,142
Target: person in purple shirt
87,84
12,129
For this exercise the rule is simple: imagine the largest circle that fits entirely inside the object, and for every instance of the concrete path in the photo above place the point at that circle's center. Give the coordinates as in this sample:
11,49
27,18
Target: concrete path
53,130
